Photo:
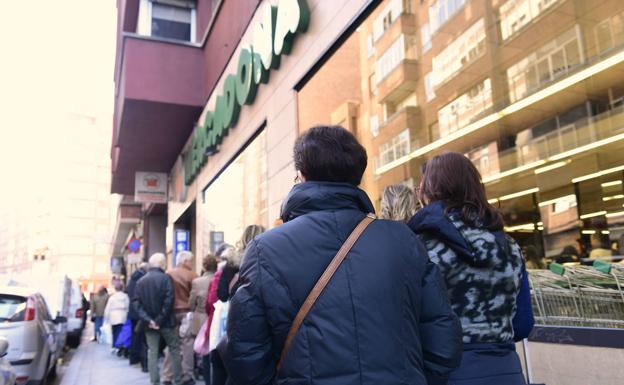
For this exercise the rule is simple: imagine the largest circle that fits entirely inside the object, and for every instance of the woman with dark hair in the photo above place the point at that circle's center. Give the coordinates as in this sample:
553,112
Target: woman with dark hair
483,269
381,317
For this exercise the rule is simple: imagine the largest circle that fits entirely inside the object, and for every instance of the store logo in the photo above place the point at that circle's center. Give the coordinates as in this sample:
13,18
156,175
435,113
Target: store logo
272,36
151,181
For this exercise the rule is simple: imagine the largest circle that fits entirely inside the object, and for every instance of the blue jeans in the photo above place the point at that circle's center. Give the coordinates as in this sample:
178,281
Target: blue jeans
99,321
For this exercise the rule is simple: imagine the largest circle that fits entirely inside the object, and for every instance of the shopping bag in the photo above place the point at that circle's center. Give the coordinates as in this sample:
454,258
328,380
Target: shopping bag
201,345
185,325
106,334
125,336
219,323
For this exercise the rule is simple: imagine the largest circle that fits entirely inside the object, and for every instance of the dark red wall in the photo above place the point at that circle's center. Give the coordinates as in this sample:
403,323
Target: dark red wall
230,24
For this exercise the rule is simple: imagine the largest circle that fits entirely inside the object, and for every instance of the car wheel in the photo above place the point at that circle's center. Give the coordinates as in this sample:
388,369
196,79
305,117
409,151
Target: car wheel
52,373
44,377
73,341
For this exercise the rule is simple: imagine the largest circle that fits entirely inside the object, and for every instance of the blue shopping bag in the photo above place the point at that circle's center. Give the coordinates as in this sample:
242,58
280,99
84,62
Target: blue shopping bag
125,336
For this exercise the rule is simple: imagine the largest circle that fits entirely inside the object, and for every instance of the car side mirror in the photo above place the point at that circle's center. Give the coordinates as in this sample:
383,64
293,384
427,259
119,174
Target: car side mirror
60,319
4,347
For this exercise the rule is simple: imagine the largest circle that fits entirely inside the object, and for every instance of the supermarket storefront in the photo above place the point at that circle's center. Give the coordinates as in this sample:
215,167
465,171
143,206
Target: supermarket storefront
531,91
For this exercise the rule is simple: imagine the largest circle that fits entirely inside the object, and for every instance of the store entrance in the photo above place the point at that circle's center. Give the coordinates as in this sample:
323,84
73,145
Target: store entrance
184,233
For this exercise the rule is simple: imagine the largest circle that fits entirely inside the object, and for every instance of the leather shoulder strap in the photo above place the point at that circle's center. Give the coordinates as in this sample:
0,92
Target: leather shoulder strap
322,282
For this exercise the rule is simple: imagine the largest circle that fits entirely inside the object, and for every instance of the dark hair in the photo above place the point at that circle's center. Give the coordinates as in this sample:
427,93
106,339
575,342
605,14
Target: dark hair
570,250
209,263
452,179
330,154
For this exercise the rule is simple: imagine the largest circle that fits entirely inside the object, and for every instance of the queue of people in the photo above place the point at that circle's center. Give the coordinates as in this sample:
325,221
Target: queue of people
429,295
431,292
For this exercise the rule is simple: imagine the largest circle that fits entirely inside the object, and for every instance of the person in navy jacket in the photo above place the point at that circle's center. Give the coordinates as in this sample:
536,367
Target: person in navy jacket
384,317
482,266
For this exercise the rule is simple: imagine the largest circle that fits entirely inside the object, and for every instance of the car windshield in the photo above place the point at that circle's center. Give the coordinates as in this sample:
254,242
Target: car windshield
12,308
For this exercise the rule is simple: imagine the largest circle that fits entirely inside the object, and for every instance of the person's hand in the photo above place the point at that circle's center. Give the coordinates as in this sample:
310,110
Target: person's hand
153,325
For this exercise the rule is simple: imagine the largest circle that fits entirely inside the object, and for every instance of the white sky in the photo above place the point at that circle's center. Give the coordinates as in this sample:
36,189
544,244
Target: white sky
56,56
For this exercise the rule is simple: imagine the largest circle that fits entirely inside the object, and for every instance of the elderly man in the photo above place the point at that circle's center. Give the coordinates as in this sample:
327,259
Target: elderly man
153,302
138,348
182,276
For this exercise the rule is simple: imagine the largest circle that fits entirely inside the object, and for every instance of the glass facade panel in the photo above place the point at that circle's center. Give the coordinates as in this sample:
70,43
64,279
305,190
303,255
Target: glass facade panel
237,198
541,115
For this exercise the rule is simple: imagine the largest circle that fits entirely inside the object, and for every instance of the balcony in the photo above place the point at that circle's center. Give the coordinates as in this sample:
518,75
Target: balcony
407,117
404,25
159,94
128,216
399,83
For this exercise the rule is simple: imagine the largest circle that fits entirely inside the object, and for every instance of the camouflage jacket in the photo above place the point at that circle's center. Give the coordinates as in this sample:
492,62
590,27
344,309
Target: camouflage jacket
482,270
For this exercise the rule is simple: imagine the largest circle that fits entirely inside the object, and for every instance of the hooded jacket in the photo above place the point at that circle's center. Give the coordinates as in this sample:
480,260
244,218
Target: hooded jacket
482,270
383,318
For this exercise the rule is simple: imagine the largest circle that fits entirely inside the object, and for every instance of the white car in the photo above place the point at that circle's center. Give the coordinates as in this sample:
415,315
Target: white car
26,323
7,375
76,317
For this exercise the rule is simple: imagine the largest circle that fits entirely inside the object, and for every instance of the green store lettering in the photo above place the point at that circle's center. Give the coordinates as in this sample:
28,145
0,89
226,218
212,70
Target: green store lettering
272,36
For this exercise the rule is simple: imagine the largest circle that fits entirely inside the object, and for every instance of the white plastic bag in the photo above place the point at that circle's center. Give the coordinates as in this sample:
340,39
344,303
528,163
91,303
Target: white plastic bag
185,325
106,334
219,323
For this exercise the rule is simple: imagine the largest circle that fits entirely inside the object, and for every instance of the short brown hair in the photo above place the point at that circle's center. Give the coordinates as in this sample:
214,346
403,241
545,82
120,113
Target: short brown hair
209,263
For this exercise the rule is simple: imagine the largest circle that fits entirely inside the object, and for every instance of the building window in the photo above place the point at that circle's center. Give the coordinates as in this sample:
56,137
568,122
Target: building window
170,20
465,49
390,59
609,33
550,61
370,47
394,149
374,125
466,108
425,35
429,91
515,14
441,11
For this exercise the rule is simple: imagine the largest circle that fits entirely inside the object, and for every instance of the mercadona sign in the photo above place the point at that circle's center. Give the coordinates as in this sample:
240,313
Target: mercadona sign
272,36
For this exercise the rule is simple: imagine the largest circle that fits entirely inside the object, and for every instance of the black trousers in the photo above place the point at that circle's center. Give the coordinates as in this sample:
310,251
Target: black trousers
138,347
206,369
218,372
116,331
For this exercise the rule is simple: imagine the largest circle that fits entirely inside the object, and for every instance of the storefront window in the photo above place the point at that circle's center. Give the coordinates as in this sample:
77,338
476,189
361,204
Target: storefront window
541,116
237,198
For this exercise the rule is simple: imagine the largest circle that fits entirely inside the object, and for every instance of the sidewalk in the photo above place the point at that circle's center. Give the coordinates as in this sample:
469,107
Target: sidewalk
93,364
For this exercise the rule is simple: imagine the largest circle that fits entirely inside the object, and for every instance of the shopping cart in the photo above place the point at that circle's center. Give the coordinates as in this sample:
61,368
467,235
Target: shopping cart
578,296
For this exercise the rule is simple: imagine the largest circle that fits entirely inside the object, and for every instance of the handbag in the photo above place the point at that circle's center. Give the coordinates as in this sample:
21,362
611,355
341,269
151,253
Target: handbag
322,282
201,344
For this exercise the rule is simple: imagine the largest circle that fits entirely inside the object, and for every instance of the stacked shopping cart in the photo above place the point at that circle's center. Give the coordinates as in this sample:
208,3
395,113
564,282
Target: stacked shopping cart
579,295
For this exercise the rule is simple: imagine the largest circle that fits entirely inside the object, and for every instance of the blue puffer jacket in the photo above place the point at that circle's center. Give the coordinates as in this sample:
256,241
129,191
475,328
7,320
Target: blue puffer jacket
486,280
384,317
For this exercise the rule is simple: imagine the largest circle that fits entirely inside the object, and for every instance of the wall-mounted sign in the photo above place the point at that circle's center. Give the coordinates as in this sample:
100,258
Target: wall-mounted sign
272,36
181,242
150,187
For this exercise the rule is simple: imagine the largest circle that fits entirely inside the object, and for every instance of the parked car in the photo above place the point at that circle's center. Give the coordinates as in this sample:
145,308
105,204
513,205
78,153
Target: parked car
76,317
7,375
56,290
26,323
